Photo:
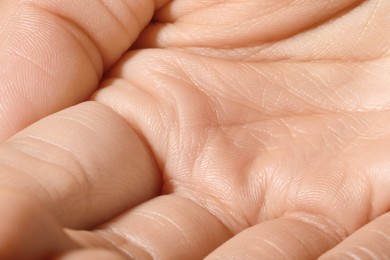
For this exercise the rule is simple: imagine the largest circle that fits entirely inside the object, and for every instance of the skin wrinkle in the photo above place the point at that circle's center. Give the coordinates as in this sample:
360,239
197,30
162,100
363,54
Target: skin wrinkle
348,9
276,247
123,239
272,81
381,233
38,183
35,64
119,22
44,142
367,252
36,157
277,49
99,67
163,221
146,243
321,223
323,226
360,58
80,180
302,95
365,243
212,96
250,54
136,18
368,22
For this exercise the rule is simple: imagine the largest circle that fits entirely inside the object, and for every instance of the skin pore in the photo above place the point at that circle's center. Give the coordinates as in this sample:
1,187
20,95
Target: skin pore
191,129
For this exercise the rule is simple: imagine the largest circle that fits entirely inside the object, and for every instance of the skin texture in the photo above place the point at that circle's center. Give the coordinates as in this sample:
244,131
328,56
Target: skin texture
229,130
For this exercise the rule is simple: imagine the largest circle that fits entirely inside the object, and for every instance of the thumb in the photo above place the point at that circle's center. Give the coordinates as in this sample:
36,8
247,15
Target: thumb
53,52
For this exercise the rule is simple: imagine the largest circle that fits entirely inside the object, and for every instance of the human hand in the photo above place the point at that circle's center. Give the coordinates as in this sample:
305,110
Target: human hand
264,126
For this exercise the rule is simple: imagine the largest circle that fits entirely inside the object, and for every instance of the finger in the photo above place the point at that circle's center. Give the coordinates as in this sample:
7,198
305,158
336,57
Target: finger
84,164
195,23
53,52
370,242
27,231
294,237
167,227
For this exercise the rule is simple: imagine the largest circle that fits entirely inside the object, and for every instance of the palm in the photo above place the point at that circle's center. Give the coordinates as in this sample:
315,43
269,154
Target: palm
253,125
256,133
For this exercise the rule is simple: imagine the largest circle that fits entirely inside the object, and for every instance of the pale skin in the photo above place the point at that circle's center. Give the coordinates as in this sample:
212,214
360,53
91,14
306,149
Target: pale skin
251,129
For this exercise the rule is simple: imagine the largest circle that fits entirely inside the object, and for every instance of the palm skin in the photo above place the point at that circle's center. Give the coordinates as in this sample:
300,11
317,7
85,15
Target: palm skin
257,127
